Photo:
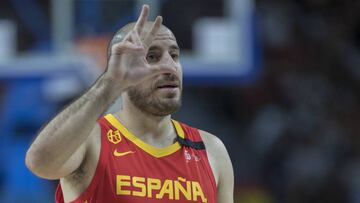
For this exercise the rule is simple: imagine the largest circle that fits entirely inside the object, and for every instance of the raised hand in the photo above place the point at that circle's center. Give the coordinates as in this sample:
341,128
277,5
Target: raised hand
127,63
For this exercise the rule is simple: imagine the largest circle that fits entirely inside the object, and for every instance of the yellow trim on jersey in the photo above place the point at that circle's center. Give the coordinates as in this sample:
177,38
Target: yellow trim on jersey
178,128
154,151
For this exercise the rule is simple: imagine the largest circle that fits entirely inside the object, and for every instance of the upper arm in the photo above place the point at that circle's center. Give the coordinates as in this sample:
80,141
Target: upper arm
221,165
78,157
226,179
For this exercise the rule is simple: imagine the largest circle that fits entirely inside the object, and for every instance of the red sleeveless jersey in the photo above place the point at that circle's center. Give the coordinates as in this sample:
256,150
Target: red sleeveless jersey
131,171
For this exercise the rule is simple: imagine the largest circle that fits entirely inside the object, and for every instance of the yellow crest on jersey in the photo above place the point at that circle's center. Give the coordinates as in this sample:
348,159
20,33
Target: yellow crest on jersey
114,136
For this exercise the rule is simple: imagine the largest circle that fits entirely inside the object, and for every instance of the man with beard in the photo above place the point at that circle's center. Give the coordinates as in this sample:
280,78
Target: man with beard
138,154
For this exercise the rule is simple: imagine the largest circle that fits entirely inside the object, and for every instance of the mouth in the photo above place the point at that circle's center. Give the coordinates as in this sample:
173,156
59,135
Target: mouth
167,86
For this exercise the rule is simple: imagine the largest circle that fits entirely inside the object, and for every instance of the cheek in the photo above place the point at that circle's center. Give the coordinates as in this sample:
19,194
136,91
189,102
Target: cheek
148,88
145,88
180,74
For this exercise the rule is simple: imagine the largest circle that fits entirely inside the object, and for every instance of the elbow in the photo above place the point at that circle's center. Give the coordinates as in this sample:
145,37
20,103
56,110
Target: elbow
30,161
36,164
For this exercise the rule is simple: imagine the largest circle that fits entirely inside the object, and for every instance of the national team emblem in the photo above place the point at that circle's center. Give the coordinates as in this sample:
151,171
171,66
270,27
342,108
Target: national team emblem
114,136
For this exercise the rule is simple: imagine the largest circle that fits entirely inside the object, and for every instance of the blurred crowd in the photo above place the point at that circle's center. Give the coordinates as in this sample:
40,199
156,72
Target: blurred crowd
305,127
293,135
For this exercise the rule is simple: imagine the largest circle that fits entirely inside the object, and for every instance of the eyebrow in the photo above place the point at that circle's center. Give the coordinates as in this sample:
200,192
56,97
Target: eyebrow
174,47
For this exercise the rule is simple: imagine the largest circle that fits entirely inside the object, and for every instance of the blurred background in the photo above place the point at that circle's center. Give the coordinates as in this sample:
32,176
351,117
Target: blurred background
277,80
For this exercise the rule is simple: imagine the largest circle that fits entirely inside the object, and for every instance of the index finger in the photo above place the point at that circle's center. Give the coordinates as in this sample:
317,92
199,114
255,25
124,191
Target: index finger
142,19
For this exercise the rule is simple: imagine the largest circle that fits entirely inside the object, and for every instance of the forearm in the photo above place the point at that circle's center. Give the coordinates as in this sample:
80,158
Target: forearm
65,133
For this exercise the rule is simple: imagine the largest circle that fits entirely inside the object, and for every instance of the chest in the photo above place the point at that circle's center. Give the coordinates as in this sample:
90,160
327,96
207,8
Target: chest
137,174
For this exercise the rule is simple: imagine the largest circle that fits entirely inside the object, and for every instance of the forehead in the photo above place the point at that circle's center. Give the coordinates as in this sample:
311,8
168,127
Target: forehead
165,38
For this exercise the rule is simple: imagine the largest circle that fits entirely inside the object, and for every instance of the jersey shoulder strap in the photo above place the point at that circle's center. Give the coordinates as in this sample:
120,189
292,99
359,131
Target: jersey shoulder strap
192,138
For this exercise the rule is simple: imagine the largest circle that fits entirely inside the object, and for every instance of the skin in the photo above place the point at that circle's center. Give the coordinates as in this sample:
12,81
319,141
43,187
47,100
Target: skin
142,58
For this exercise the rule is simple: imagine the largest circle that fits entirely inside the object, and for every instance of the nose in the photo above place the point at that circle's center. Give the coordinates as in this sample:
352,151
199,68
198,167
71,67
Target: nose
168,60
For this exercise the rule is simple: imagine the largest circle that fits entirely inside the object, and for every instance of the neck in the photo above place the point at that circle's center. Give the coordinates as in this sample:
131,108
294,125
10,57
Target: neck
149,128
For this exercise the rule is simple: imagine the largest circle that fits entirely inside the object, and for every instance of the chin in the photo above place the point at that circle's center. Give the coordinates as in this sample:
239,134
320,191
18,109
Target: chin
157,103
165,106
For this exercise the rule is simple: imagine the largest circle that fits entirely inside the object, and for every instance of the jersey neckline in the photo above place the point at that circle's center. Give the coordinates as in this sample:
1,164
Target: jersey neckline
153,151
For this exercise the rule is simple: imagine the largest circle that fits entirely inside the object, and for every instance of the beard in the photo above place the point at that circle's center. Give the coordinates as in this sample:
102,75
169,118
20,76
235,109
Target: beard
146,100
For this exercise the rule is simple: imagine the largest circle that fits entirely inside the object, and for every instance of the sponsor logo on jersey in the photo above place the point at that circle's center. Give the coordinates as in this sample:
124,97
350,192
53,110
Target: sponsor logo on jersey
118,154
154,188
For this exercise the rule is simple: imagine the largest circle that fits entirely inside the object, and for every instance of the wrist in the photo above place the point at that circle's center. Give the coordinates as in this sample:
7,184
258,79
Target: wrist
109,87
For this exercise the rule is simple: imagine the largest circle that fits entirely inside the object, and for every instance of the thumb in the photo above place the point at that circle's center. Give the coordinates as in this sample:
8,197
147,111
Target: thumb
153,70
126,47
144,73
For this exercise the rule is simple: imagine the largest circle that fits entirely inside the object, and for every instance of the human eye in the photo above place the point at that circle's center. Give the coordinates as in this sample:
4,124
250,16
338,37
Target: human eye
174,55
152,57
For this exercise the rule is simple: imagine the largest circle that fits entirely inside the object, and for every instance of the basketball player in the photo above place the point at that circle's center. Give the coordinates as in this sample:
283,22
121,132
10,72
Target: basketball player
139,154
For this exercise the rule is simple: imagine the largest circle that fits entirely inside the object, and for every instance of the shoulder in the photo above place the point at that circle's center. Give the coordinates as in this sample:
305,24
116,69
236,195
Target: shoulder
217,154
221,165
213,143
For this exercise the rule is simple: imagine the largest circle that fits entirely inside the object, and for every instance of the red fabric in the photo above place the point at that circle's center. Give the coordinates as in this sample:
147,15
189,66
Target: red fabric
185,166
